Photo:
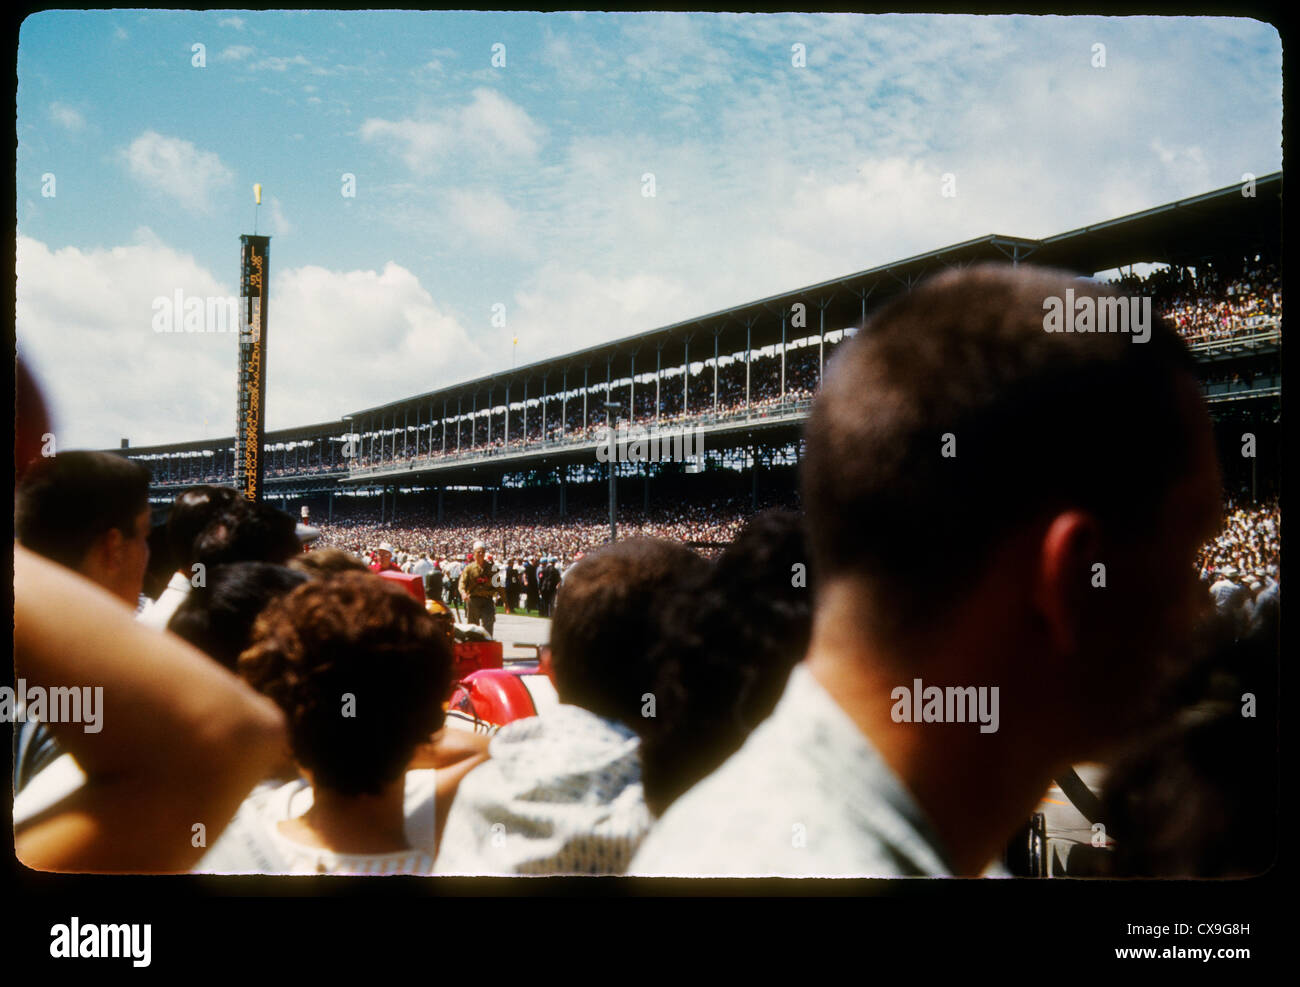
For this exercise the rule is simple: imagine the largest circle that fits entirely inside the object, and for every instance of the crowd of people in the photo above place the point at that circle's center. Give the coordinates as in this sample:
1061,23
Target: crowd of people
1209,305
758,713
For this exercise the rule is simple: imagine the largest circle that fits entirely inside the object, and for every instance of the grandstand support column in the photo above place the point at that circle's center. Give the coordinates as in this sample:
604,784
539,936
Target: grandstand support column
505,437
749,325
564,402
686,376
753,458
383,492
331,508
406,431
821,346
659,372
544,376
473,418
716,333
631,391
585,367
564,473
394,508
444,424
440,503
783,355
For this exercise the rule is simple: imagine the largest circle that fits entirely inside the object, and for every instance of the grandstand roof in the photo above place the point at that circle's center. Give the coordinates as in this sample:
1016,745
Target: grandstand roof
1222,223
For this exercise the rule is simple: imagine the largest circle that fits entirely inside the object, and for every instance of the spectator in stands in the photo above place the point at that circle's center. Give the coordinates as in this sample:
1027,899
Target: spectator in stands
191,512
723,653
217,617
384,560
327,562
248,532
966,473
89,512
562,793
360,671
182,742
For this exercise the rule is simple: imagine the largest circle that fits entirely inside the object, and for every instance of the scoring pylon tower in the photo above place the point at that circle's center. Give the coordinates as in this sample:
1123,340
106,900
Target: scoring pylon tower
254,270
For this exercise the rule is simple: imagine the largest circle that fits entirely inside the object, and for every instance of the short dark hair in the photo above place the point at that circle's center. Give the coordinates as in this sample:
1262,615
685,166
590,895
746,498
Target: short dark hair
218,616
192,511
1041,421
65,502
352,634
728,638
248,532
605,623
326,562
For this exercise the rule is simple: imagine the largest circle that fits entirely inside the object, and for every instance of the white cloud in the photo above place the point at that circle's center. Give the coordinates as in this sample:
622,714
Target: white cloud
338,341
234,53
104,371
236,22
346,340
177,168
279,63
490,127
488,220
280,225
67,116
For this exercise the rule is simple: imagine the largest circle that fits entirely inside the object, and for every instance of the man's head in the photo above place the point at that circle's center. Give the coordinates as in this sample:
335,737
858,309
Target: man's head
480,552
88,511
606,619
956,445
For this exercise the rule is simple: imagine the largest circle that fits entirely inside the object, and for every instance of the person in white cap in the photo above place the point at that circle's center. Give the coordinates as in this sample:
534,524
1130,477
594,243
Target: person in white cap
384,559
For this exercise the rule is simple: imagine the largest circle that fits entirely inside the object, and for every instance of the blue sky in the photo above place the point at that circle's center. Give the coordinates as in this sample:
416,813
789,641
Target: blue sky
522,185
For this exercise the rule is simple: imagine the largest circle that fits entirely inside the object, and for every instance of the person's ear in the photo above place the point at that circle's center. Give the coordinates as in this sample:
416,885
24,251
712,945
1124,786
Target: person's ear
1064,582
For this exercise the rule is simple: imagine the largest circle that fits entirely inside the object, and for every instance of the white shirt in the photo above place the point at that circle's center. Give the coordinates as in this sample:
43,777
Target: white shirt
561,794
158,613
806,796
253,843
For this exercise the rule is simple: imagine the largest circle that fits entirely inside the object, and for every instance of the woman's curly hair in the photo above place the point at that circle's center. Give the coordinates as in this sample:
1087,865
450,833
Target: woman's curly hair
361,671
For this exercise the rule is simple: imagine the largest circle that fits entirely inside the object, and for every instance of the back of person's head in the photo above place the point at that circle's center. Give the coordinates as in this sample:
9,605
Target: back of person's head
32,423
64,503
1198,796
245,531
953,418
607,615
361,671
326,562
192,511
217,617
727,640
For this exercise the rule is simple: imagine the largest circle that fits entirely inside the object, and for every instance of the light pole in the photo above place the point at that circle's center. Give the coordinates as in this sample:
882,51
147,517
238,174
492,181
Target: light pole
610,408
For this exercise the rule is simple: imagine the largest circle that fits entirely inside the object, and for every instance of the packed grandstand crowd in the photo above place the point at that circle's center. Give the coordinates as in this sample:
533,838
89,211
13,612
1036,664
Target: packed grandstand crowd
1207,305
313,685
